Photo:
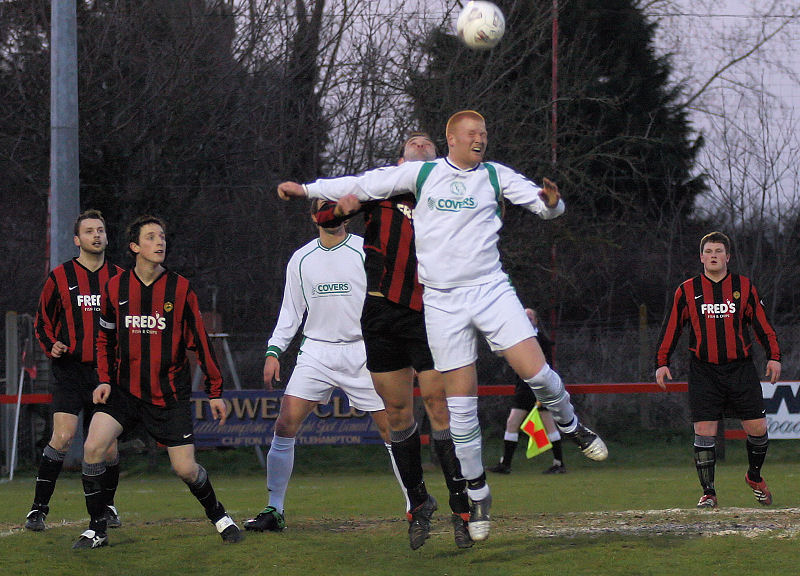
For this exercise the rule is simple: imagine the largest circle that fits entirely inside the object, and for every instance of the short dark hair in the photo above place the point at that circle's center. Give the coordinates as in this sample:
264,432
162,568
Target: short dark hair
411,136
717,238
316,205
90,214
134,228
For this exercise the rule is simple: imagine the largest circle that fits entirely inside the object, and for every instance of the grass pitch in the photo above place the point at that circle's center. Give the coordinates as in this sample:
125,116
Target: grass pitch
633,514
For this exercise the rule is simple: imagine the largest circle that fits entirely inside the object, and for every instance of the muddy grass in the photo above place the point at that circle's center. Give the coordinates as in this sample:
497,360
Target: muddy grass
776,522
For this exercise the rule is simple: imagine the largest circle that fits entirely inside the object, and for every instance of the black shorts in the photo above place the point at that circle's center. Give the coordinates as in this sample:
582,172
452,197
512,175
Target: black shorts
171,426
524,398
74,384
394,336
713,388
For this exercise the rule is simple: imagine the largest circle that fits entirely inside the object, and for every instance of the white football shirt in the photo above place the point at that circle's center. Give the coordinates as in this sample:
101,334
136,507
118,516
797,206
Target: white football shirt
457,218
330,285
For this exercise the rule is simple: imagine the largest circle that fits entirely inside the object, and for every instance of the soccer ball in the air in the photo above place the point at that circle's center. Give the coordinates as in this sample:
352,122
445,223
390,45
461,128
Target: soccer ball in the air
480,25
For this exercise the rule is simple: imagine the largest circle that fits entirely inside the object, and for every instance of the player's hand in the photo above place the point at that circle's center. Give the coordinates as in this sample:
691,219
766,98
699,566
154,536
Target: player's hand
58,349
773,371
288,190
347,205
272,371
101,393
661,373
218,411
549,193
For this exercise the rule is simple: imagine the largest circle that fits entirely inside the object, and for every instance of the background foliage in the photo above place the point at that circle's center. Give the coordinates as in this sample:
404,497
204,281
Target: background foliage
195,110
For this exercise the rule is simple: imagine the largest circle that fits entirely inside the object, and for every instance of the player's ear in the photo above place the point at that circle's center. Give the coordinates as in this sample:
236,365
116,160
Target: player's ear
76,241
134,247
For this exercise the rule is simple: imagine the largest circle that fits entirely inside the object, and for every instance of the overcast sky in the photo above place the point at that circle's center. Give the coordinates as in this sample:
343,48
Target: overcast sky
704,37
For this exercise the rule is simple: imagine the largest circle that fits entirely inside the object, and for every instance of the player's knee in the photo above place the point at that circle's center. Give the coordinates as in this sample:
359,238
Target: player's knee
463,412
436,407
286,427
398,412
112,454
186,470
62,440
547,385
94,451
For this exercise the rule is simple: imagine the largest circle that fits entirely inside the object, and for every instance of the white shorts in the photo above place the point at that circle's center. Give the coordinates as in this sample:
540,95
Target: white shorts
323,366
455,316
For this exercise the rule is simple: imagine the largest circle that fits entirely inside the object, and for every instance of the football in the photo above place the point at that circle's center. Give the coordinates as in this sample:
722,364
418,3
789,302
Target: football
480,25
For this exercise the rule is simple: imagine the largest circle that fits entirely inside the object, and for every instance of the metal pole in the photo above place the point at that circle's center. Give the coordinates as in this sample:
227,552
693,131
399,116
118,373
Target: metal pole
64,184
554,89
12,369
13,459
553,163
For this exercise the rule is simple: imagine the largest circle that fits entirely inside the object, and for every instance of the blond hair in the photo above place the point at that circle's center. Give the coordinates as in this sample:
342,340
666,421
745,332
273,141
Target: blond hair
459,116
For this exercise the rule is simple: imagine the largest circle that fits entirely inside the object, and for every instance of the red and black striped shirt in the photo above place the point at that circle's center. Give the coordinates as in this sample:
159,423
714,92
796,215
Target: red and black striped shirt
145,332
718,314
69,308
391,258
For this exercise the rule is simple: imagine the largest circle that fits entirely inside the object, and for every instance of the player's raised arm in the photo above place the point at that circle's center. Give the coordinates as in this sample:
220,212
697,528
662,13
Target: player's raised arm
376,184
544,201
550,194
290,189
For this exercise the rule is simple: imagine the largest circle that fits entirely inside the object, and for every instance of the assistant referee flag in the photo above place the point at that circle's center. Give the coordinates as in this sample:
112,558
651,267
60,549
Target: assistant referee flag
538,441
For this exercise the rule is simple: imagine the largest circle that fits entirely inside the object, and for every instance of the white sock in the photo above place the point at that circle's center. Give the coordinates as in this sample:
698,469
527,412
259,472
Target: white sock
466,433
478,493
550,391
397,475
280,462
511,437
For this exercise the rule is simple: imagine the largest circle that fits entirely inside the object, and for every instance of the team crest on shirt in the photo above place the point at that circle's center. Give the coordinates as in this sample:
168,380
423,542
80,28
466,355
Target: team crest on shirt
168,306
736,295
330,289
458,188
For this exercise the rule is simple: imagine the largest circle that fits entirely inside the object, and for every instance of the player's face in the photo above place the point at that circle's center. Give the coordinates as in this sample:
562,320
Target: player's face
714,258
467,142
419,148
152,246
91,236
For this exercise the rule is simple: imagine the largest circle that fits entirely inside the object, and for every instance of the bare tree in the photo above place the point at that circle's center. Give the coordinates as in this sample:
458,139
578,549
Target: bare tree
755,192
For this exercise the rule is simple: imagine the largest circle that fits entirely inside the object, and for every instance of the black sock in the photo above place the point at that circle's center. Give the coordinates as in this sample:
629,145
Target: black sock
111,481
95,498
558,452
704,460
477,483
756,453
451,468
49,469
509,447
202,489
408,457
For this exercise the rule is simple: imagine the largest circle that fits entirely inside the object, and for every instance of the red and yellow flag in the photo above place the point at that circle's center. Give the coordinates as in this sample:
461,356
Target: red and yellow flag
538,441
